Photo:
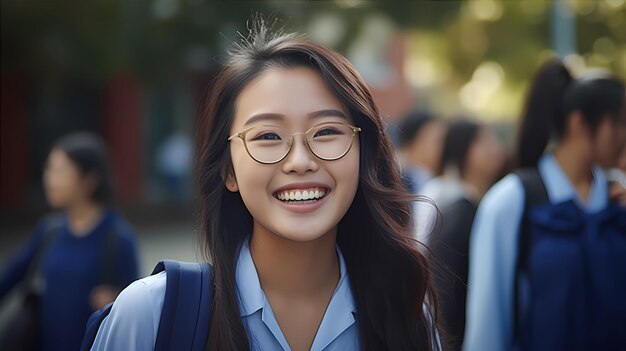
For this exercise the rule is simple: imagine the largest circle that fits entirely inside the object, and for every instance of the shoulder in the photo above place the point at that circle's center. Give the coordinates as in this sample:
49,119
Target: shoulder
50,222
149,290
509,187
462,206
505,196
47,228
134,317
121,226
500,212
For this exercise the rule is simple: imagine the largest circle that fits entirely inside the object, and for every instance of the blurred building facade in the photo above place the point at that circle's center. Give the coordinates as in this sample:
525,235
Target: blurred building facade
136,72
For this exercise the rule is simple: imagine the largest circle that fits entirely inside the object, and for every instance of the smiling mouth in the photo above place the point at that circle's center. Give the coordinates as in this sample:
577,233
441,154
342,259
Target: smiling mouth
301,196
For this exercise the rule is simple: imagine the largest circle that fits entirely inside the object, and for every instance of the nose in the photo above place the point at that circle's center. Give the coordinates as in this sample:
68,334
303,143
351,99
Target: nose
300,159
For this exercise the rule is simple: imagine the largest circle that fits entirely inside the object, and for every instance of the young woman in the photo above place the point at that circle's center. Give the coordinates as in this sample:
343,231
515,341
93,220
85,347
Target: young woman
85,254
472,159
420,142
551,285
304,214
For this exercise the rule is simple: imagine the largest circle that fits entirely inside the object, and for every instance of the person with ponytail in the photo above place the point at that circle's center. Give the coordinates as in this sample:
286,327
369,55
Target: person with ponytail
548,245
304,216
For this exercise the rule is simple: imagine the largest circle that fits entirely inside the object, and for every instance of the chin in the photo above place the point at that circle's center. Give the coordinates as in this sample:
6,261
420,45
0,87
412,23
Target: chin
54,203
301,233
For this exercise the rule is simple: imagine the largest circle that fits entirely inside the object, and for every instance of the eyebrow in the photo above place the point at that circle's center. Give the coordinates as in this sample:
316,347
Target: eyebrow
280,117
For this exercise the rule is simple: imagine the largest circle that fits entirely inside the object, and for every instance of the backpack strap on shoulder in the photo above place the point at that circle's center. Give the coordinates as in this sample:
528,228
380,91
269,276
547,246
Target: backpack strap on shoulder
93,325
187,308
535,194
33,281
108,265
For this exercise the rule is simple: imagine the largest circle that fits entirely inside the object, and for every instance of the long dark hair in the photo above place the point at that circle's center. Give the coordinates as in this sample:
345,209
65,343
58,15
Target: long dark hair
459,138
89,153
554,95
390,278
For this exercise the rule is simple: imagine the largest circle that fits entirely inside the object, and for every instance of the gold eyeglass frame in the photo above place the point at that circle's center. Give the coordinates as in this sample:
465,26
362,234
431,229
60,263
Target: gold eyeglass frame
242,135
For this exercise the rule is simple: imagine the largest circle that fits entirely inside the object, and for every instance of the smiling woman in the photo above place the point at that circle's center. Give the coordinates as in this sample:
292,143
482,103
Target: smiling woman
306,220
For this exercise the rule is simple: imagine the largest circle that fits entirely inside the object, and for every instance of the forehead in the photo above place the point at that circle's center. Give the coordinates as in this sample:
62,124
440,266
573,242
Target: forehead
58,156
294,93
59,159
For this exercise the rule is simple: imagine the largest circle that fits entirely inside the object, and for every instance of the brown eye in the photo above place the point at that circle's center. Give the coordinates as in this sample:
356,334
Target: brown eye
267,136
327,132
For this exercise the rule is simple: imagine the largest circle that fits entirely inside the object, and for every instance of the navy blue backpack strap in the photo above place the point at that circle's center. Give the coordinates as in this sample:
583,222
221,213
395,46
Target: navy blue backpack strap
535,194
93,324
187,309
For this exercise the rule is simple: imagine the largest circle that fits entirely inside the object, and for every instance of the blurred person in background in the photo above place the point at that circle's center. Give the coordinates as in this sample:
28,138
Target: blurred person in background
175,163
81,256
617,179
548,247
471,160
420,140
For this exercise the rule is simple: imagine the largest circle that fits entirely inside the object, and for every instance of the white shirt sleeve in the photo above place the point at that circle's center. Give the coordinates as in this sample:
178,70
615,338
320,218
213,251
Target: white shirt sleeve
134,318
493,253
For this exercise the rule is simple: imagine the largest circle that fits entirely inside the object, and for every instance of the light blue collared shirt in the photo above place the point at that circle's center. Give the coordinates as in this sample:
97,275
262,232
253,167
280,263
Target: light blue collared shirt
338,330
134,319
493,251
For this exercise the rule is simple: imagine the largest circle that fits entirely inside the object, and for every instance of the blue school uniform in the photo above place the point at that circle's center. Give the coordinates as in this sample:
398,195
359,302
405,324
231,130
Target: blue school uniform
134,319
494,251
70,271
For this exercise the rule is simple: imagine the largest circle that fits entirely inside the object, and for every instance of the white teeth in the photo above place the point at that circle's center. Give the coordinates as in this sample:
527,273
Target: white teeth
301,195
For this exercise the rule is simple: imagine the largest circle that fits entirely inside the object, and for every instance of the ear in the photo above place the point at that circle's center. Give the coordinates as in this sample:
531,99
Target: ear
229,180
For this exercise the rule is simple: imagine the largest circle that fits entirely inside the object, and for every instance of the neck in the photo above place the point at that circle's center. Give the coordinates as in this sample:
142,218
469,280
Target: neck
83,216
291,268
576,162
477,185
414,159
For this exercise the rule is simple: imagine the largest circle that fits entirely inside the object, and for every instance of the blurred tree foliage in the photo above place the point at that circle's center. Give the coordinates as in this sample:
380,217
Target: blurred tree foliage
155,38
94,39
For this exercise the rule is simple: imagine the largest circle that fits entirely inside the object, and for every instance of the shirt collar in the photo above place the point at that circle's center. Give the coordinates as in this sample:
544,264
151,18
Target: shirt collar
252,297
560,189
338,316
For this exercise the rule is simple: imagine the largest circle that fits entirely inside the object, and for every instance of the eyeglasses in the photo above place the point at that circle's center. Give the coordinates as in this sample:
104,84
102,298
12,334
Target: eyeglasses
270,144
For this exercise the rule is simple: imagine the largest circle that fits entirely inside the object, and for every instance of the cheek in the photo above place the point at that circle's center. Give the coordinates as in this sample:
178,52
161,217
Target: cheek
346,173
252,177
608,142
608,139
485,157
477,157
61,188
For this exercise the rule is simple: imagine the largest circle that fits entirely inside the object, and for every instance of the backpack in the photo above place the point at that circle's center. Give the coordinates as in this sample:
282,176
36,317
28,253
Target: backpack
21,314
574,267
187,308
